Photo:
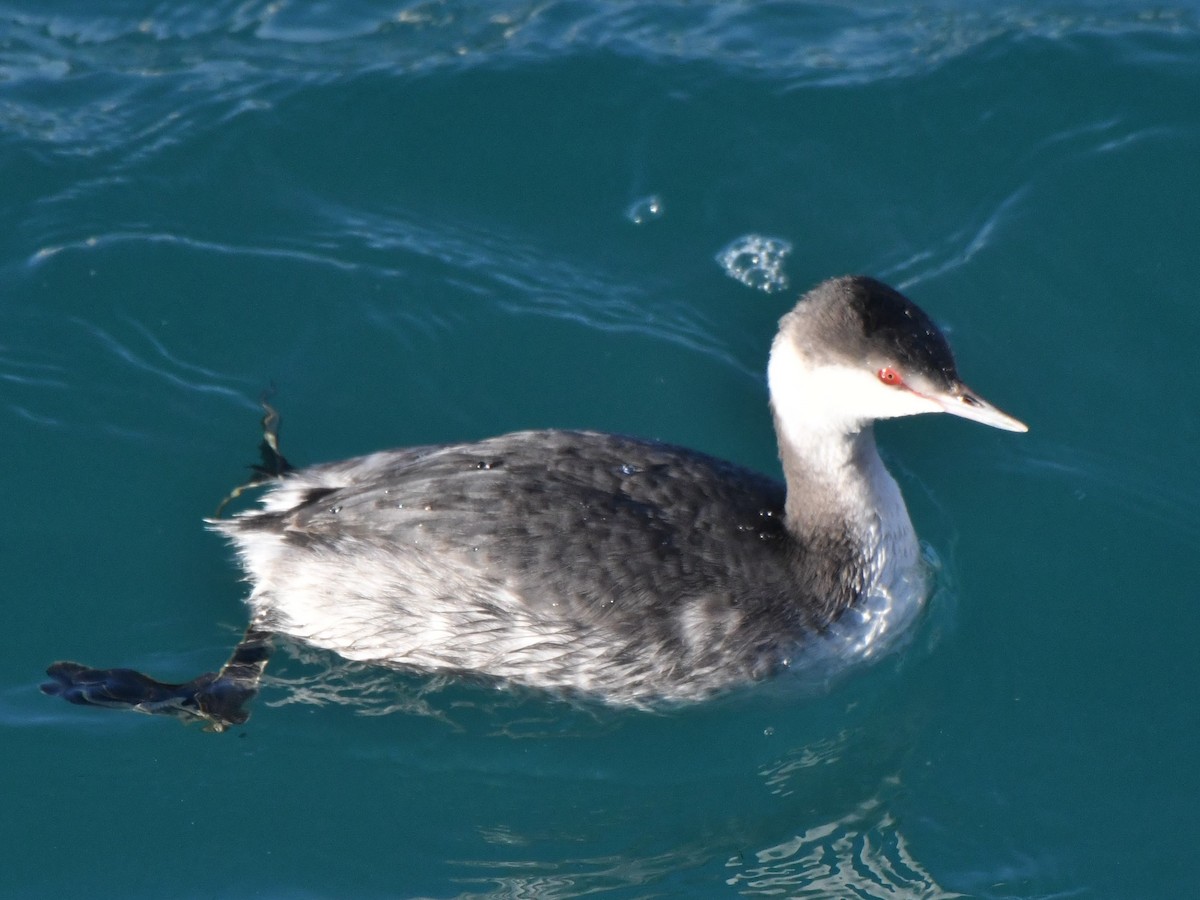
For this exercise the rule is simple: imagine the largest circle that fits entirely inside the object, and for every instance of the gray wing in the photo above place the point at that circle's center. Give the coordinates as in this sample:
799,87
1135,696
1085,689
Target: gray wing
593,521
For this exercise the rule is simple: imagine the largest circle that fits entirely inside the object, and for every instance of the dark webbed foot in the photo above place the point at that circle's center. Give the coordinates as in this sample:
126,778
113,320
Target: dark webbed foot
218,699
273,464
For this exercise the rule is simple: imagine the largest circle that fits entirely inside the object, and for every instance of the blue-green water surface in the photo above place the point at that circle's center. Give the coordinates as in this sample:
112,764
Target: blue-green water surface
429,221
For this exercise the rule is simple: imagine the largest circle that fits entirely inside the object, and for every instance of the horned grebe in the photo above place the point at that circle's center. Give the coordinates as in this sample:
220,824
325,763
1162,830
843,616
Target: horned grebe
594,564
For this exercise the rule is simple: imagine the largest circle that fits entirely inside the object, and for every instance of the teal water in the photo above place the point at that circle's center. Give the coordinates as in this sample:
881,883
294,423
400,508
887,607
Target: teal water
439,221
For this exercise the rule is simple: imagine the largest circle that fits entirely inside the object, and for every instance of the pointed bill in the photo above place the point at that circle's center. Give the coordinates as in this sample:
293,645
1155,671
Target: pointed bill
964,402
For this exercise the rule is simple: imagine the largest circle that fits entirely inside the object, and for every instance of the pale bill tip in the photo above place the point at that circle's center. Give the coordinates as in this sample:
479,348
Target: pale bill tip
966,404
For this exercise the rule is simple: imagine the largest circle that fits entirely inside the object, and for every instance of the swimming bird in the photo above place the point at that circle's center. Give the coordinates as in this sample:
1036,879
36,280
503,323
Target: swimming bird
598,565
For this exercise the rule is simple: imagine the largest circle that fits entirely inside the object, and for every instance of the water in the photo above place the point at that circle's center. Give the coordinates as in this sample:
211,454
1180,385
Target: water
440,221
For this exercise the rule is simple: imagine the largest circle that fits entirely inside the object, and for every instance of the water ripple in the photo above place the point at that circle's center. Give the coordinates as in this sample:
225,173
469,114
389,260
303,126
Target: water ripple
147,75
515,275
863,854
51,372
99,241
522,278
1133,485
193,385
958,248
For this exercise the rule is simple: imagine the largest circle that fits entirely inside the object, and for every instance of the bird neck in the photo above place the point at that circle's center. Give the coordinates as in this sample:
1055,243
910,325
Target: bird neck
837,481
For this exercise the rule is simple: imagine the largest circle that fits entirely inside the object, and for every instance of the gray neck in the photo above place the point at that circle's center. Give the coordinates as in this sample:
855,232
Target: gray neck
844,505
831,481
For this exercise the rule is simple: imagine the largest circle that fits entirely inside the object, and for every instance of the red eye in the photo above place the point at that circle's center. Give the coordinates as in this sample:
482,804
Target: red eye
888,375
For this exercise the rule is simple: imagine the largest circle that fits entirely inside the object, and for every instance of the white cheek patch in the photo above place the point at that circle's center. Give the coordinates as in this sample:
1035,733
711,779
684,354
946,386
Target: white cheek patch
831,398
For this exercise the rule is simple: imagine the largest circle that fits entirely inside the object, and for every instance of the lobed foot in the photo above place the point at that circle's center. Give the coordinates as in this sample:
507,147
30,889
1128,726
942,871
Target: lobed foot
216,699
273,464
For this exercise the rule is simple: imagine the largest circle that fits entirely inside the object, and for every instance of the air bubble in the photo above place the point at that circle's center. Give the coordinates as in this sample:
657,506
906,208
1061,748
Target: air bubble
645,210
757,261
